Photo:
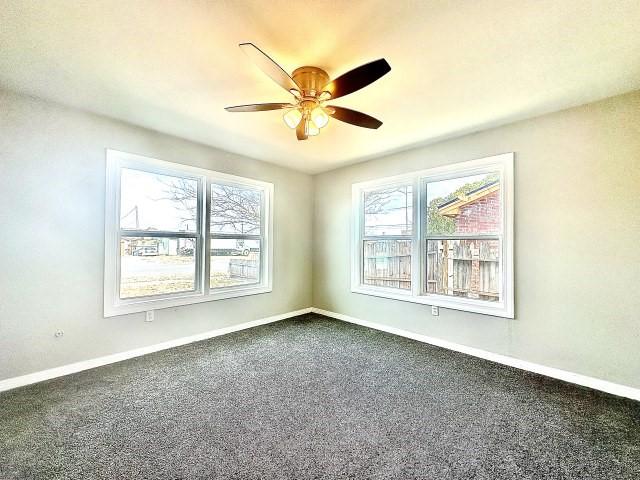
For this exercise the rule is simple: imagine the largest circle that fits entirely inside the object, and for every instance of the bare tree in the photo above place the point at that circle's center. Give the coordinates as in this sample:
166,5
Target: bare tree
389,200
233,209
183,192
376,201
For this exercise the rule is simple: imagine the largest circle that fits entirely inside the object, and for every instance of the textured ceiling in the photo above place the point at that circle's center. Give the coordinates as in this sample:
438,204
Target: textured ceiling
457,66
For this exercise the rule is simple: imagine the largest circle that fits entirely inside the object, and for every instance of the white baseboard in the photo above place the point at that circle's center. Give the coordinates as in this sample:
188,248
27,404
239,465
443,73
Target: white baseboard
50,373
575,378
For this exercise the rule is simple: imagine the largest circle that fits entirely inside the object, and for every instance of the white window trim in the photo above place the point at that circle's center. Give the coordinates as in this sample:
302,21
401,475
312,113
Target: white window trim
113,305
502,163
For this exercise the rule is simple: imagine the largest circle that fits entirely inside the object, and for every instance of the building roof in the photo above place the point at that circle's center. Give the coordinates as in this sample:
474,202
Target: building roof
452,207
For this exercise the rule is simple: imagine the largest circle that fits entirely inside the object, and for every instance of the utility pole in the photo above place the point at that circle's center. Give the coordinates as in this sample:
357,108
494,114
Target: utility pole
133,210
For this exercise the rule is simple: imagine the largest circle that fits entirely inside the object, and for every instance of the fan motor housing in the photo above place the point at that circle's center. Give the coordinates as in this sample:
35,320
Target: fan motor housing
311,80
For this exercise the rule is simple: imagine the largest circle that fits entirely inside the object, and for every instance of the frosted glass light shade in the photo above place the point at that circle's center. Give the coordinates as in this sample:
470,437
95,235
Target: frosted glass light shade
319,117
292,117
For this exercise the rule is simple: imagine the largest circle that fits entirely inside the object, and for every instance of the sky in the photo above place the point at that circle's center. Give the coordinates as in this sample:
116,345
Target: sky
148,192
443,188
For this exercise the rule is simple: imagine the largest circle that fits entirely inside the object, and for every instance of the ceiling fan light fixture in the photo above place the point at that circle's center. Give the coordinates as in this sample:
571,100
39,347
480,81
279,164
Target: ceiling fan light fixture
319,117
292,117
311,87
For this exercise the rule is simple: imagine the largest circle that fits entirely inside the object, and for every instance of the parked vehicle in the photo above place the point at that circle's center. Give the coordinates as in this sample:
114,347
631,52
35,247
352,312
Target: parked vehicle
145,251
231,247
186,251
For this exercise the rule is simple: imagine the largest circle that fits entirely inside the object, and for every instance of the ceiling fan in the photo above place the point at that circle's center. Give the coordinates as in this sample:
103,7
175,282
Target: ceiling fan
311,88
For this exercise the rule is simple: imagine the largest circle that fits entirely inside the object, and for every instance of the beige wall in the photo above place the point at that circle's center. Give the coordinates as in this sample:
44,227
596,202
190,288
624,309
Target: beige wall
577,241
577,228
52,184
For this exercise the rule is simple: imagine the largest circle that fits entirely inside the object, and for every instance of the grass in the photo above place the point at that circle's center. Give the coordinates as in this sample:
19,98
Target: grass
140,286
167,259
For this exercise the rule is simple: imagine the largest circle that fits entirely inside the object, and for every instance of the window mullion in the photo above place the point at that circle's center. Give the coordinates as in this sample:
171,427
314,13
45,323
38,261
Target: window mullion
128,234
374,238
263,226
206,238
157,234
416,249
232,236
264,257
471,236
359,260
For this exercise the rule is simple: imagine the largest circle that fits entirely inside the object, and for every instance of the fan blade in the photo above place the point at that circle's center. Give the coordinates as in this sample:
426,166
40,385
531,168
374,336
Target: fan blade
265,63
300,130
259,107
357,78
353,117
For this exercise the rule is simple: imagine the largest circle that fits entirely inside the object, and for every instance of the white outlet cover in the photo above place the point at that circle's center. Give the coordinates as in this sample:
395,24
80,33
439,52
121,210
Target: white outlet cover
150,316
435,311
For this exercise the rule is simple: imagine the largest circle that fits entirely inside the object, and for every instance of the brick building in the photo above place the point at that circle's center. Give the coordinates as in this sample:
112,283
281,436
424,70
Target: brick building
475,212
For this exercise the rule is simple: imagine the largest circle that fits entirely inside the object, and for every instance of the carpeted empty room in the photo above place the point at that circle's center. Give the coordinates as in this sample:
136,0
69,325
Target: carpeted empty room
312,397
300,240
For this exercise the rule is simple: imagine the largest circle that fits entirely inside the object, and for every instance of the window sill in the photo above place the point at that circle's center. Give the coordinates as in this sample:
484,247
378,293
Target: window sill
186,299
465,305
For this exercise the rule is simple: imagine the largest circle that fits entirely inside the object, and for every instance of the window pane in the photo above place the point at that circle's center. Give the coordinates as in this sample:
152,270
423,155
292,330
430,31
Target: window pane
234,262
464,268
387,263
156,266
149,201
235,209
388,211
468,204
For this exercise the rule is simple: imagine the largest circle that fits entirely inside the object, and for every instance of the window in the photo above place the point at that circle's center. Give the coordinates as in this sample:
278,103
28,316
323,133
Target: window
442,236
388,221
236,226
158,234
176,235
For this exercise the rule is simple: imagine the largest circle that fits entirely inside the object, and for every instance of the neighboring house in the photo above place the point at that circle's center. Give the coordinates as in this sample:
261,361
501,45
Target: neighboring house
475,212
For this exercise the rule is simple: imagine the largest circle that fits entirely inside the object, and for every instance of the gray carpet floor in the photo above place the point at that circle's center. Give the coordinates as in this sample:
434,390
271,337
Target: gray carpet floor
311,398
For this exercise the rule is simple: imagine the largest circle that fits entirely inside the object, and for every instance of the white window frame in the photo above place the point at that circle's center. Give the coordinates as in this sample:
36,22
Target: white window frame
503,164
113,304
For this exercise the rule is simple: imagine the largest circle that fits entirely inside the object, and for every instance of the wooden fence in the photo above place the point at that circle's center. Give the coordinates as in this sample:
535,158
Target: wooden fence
245,267
387,263
466,268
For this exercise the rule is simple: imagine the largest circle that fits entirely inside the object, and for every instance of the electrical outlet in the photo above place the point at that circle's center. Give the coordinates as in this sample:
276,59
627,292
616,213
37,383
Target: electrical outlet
150,316
435,311
58,333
